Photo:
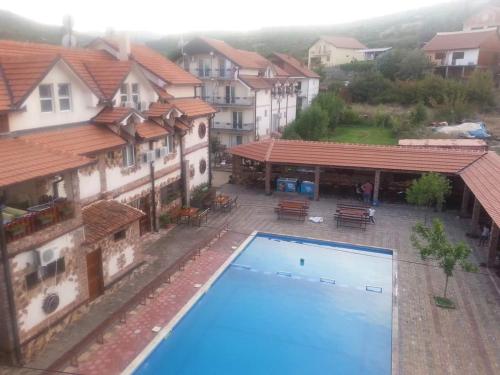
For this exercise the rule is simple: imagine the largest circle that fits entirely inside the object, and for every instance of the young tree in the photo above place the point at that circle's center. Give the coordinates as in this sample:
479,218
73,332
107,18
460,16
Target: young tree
312,124
432,243
430,189
332,105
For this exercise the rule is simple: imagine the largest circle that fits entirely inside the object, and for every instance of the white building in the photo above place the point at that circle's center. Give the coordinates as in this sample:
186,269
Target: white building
254,98
88,161
331,51
307,81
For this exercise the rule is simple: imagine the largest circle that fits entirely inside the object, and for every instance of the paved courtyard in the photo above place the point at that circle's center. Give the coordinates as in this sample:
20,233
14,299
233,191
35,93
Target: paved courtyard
430,340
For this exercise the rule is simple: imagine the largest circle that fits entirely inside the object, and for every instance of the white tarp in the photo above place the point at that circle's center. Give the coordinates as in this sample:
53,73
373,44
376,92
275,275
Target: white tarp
465,130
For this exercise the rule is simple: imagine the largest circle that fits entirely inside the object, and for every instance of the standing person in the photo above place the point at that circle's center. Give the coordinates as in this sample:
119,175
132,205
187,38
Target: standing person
367,189
485,234
371,215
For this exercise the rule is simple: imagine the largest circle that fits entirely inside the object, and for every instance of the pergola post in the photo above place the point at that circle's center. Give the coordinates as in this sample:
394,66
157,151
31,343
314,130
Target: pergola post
465,201
476,211
493,244
316,183
376,187
268,178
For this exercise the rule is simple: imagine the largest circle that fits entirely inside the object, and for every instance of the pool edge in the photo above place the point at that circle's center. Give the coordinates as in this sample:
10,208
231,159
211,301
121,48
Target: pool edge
139,359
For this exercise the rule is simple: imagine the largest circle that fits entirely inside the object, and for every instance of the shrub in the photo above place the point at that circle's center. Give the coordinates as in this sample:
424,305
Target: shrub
290,132
312,124
480,89
418,115
332,105
371,88
430,189
358,66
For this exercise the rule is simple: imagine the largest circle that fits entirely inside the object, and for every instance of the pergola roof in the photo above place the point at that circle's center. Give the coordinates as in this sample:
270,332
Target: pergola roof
329,154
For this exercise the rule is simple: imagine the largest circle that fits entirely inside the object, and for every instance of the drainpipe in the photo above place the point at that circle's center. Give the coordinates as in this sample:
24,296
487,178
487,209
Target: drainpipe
153,192
286,110
255,115
18,355
210,122
184,172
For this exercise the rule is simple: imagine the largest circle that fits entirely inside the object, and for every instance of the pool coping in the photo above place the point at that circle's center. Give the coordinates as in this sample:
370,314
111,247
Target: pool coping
165,331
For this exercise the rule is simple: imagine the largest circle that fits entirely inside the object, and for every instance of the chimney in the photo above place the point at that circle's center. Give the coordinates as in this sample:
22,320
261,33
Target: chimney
123,46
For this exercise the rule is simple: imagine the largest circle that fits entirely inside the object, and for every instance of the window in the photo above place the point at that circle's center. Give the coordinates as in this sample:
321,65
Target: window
222,68
168,142
237,120
46,98
123,94
135,94
120,235
128,155
458,55
203,166
50,270
64,94
230,94
440,55
202,130
239,139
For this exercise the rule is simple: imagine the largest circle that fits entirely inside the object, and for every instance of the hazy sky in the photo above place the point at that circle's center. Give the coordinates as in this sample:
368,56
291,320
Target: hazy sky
179,16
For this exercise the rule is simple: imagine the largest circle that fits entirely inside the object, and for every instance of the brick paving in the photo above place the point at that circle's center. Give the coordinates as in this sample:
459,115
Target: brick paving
430,340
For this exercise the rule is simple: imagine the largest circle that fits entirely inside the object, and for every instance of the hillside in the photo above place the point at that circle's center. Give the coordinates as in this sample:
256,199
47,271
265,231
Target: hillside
408,29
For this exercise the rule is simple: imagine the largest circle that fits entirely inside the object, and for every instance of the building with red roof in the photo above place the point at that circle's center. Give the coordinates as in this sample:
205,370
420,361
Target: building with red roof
331,51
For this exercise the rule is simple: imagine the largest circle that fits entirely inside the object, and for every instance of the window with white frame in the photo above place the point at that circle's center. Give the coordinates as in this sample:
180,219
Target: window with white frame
64,95
135,94
168,142
128,155
46,98
123,94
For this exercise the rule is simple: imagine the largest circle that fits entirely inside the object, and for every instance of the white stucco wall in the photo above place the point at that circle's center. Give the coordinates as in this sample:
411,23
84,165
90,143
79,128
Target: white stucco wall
90,184
83,103
181,91
114,263
194,160
146,92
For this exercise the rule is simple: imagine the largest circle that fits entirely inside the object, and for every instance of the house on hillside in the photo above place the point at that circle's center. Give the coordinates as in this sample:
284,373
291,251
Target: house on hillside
371,54
459,53
307,80
331,51
487,18
254,98
95,143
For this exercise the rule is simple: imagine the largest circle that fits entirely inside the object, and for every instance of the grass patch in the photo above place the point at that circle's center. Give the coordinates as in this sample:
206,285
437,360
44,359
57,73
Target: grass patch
366,134
445,303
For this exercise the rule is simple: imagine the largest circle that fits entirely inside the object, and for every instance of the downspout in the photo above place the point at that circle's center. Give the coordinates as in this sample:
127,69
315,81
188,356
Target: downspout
286,110
153,192
210,124
10,292
255,116
183,169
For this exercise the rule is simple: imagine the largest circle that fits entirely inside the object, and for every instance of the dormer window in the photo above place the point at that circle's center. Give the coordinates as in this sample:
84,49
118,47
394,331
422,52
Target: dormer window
46,98
64,95
128,155
123,94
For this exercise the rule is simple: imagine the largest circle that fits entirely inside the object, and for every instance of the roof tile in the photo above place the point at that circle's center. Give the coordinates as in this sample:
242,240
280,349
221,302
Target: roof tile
459,40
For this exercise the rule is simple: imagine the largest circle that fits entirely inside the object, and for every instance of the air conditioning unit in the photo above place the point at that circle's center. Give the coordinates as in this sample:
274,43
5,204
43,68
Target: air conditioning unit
162,152
46,255
148,157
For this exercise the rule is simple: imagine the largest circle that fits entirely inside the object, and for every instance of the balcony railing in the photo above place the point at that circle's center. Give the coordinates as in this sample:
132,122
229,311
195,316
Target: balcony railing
21,223
230,100
213,73
250,126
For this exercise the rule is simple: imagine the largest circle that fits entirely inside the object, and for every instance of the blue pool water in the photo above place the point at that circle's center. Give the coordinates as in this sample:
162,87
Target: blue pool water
287,306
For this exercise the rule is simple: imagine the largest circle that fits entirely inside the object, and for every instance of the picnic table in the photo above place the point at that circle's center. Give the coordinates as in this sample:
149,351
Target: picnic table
297,209
351,217
185,214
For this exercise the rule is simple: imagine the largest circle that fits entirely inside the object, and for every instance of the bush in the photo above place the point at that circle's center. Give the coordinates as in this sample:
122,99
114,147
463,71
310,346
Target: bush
332,105
290,133
418,115
480,89
358,67
371,88
312,124
430,189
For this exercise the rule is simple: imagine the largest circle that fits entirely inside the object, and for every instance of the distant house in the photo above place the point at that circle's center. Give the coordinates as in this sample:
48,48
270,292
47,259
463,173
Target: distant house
458,54
371,54
335,50
307,80
487,18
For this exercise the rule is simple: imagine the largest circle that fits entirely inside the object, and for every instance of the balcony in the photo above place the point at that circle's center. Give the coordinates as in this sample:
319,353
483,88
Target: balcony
227,101
234,127
19,223
221,74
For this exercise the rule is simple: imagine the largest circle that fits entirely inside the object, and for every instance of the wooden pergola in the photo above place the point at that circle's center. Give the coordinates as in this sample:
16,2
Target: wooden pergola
479,170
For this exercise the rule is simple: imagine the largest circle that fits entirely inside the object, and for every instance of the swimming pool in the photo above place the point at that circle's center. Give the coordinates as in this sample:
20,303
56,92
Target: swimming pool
287,305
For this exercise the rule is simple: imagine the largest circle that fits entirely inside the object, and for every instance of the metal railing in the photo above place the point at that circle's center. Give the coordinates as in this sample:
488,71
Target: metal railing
249,126
213,73
140,298
230,100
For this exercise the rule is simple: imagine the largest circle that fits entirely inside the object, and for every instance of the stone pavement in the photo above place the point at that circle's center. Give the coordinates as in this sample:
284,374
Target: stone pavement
430,340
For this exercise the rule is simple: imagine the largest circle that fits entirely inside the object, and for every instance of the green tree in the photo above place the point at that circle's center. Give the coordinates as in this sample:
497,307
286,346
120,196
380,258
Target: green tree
480,89
312,124
372,88
388,64
432,243
332,105
430,189
413,65
419,114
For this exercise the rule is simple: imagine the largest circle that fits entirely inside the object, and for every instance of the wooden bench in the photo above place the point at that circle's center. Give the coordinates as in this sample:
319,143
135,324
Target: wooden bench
350,218
297,209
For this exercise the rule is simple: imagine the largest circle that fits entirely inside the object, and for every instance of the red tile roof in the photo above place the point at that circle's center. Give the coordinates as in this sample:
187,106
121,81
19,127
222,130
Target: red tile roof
109,75
394,158
105,217
162,67
158,109
180,124
5,98
294,67
344,42
242,58
483,179
449,143
22,161
193,107
150,130
255,82
113,115
84,139
162,93
460,40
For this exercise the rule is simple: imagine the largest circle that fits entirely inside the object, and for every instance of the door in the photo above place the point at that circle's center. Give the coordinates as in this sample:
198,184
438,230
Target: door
230,95
94,274
237,120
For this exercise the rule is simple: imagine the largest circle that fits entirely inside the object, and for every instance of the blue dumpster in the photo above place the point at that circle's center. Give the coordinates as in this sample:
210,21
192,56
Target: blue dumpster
307,188
288,185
